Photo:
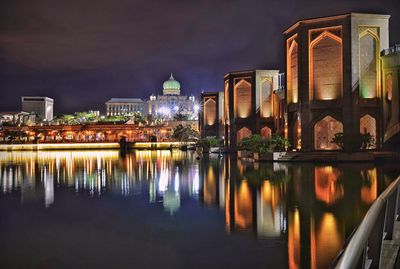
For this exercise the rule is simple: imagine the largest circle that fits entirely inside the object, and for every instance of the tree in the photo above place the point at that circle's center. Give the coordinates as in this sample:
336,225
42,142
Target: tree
180,117
209,141
185,133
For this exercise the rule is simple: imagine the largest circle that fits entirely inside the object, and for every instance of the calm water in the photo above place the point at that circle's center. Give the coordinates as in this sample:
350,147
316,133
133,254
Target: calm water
96,209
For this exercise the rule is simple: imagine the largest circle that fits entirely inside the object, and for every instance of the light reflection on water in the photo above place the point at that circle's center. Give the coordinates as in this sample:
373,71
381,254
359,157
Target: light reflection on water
311,208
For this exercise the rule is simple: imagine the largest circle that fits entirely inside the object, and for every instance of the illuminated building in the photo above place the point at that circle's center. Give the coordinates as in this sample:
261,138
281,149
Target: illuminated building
126,106
42,106
212,114
171,102
334,78
252,105
17,118
390,95
86,133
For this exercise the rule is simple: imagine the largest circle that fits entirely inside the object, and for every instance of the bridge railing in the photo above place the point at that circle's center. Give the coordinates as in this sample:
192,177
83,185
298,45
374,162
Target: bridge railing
364,249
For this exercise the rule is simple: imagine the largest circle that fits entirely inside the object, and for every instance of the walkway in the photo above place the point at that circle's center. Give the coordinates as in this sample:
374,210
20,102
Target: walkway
390,249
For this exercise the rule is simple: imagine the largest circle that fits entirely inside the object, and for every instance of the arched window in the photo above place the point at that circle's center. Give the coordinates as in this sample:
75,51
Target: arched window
210,111
226,102
266,132
243,133
326,67
297,133
368,125
243,98
266,97
369,64
292,70
324,132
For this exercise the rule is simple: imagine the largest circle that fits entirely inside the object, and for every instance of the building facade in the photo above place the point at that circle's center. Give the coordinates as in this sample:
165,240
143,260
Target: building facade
252,105
211,114
125,106
391,96
333,79
171,102
42,106
17,118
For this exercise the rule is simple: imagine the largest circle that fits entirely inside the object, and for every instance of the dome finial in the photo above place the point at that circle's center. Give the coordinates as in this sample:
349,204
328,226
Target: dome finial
171,77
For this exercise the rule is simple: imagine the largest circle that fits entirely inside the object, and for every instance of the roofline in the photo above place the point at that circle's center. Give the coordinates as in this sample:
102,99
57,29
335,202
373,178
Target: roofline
334,17
248,71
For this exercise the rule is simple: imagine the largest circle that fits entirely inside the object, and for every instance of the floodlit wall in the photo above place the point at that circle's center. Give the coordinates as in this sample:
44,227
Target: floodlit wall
326,67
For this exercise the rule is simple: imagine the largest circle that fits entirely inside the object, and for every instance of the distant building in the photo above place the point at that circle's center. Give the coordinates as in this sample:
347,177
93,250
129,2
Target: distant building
42,106
17,118
125,106
171,102
211,117
252,105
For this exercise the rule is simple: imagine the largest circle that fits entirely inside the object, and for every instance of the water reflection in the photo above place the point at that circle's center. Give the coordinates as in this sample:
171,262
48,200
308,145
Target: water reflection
95,172
314,207
311,208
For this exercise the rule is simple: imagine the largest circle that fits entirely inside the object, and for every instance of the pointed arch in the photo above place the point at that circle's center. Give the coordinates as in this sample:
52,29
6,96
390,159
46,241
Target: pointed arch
242,99
243,133
369,62
266,132
210,111
324,132
266,95
368,125
325,67
292,72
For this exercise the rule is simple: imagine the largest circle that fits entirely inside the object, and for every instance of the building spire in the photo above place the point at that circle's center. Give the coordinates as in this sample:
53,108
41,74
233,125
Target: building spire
171,77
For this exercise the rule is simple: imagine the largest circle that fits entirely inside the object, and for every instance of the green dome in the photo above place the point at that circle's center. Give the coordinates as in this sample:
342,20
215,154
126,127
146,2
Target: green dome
171,86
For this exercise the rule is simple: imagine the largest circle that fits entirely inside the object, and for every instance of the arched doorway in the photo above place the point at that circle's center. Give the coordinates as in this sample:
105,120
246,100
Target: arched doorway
243,99
324,132
243,133
326,67
266,132
368,125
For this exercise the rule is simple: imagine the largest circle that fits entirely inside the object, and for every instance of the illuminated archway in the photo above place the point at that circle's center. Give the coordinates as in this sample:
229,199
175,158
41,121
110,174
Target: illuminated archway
368,125
297,133
292,72
324,132
243,99
369,64
266,97
266,132
210,111
325,67
243,133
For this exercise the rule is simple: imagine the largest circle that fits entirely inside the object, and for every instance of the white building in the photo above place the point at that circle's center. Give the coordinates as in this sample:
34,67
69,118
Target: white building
172,102
42,106
125,106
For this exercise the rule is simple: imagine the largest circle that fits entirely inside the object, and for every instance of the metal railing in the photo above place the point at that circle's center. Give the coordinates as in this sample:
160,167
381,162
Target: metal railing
364,249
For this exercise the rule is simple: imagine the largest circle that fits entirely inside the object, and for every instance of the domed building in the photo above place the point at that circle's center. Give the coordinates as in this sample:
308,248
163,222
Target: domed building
171,102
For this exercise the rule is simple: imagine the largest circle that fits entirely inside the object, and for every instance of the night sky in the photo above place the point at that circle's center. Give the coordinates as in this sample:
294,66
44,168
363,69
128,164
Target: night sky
83,52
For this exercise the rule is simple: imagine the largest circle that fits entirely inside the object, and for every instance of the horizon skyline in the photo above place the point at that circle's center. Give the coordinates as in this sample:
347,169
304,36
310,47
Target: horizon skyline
82,61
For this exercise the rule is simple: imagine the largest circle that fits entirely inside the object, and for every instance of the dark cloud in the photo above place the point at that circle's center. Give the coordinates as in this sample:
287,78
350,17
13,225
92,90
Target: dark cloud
82,52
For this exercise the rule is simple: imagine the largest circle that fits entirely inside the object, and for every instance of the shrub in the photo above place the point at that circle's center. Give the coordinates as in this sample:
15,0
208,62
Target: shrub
257,144
209,141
